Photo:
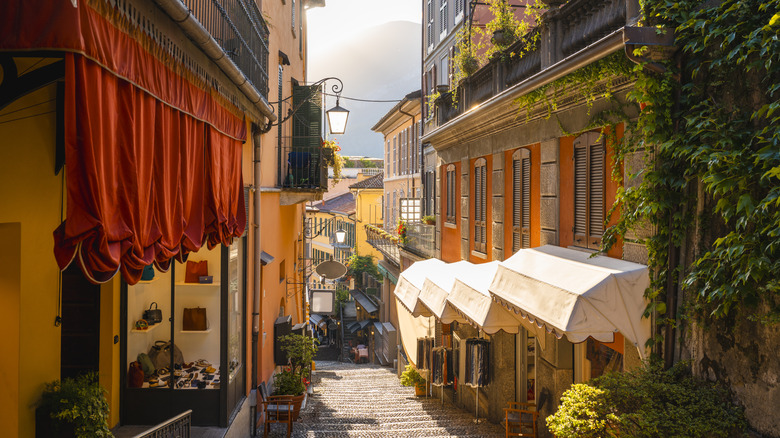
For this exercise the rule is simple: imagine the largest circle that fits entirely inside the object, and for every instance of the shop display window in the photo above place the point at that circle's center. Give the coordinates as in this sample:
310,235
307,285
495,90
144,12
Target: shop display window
183,339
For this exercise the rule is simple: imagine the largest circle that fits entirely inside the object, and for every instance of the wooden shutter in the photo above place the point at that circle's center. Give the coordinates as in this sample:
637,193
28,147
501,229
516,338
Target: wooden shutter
596,194
521,199
589,154
480,205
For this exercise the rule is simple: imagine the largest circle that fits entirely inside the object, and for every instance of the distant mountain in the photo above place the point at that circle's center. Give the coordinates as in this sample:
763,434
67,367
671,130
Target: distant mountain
381,63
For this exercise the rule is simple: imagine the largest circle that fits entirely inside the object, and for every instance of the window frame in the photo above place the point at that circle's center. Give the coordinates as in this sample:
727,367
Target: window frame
451,187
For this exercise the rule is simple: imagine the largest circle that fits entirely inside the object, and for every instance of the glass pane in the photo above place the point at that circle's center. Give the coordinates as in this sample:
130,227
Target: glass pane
235,311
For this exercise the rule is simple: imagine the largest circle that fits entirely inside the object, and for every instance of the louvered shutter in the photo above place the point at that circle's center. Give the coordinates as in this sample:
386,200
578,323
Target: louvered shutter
589,182
521,199
580,192
596,195
480,205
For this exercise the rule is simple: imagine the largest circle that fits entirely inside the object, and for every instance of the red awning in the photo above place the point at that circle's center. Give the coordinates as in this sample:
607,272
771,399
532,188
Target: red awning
145,182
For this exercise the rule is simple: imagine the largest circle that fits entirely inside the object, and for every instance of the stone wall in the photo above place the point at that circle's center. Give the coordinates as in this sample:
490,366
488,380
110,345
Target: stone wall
743,355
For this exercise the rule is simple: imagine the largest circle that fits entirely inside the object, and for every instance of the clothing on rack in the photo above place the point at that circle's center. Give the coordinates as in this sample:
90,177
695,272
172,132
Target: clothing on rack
424,353
442,371
477,362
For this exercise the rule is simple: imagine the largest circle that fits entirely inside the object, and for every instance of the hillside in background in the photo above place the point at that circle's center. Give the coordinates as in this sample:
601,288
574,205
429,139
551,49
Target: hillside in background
380,63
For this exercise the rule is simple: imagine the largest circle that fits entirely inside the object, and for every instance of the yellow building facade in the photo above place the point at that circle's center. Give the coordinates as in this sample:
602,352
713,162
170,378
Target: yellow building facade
369,194
34,202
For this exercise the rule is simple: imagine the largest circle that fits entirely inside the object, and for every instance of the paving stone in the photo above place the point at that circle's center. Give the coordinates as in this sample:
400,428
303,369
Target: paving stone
367,401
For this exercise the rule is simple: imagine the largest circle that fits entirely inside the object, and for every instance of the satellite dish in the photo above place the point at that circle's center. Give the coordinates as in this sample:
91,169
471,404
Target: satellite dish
331,270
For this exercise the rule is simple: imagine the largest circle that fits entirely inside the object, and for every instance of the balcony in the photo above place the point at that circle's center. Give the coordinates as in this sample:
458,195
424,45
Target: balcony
420,240
565,30
239,28
384,242
301,164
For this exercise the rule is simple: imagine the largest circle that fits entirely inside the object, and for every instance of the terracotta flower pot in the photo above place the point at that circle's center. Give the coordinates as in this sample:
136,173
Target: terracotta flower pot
419,390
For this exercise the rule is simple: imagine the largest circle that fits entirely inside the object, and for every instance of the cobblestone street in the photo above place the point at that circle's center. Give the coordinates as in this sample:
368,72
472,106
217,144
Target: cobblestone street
368,401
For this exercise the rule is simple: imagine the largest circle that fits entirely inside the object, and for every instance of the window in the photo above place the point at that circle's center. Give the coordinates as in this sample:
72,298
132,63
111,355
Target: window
403,152
442,19
430,22
459,6
444,71
293,16
451,195
395,155
282,271
589,154
480,205
521,199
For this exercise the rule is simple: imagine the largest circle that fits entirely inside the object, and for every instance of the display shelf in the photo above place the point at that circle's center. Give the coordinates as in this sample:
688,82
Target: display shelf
196,285
151,328
148,281
195,331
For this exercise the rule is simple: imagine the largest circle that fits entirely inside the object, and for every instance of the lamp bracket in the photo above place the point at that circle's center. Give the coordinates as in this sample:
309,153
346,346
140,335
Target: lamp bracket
335,89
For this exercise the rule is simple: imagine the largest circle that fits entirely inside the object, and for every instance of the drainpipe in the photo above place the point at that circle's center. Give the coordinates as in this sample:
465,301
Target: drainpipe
183,17
257,281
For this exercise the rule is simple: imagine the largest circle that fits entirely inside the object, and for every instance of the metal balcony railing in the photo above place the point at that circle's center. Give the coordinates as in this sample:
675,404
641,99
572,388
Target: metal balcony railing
385,242
420,239
302,165
568,29
239,28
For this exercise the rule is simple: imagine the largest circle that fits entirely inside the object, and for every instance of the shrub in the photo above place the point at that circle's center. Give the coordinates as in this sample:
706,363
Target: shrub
79,402
411,377
647,402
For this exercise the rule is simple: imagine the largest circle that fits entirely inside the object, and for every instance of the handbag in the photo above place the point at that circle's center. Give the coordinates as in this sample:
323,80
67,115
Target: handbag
135,376
194,270
146,364
195,319
148,273
153,316
160,354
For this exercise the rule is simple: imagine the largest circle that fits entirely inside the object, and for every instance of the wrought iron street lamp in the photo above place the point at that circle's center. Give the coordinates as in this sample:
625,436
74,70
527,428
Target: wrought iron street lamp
337,118
341,235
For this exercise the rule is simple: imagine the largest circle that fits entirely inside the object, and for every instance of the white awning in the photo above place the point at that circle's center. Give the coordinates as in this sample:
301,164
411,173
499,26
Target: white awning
318,320
411,281
437,286
569,292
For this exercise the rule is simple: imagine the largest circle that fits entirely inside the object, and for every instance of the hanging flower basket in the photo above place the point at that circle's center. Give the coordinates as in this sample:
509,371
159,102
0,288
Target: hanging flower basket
502,37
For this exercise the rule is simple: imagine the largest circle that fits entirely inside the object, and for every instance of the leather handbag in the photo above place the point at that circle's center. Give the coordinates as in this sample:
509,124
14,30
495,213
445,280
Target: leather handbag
195,270
153,316
160,354
135,376
195,319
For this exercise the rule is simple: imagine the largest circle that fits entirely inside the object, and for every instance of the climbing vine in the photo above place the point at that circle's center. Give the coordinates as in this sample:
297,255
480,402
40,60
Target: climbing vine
709,128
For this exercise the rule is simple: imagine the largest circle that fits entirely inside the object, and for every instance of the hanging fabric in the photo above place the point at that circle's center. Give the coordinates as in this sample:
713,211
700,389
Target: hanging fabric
477,362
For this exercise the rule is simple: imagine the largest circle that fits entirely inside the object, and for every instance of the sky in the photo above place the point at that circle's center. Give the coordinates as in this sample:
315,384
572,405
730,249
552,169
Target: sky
341,19
374,47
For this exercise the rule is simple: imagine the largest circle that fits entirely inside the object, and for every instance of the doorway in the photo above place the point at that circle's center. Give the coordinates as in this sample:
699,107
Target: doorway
80,339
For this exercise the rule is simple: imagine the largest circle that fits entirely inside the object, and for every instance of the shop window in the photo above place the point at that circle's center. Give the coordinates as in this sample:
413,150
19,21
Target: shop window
589,176
480,205
452,196
191,362
602,359
521,199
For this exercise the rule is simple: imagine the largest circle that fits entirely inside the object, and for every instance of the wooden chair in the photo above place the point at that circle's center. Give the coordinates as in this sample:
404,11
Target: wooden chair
520,419
276,409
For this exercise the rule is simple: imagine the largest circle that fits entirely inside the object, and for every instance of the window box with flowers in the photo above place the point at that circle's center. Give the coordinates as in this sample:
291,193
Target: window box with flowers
402,231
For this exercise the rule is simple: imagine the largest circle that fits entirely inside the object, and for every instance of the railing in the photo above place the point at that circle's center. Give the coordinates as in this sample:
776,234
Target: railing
239,28
178,426
302,165
421,239
372,171
568,29
384,242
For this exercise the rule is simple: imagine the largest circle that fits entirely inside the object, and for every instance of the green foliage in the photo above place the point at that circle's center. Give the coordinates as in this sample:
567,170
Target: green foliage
411,377
300,350
358,264
80,402
647,402
342,296
429,219
287,382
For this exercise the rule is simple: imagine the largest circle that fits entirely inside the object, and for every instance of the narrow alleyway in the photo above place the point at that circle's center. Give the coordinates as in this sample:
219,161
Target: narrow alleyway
367,401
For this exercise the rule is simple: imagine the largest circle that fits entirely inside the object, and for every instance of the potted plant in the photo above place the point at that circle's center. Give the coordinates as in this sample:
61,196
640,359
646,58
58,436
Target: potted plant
331,156
293,378
411,377
402,231
73,408
504,25
429,220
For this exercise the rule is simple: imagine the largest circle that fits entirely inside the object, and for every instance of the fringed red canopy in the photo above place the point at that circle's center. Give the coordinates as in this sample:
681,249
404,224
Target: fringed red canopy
153,159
